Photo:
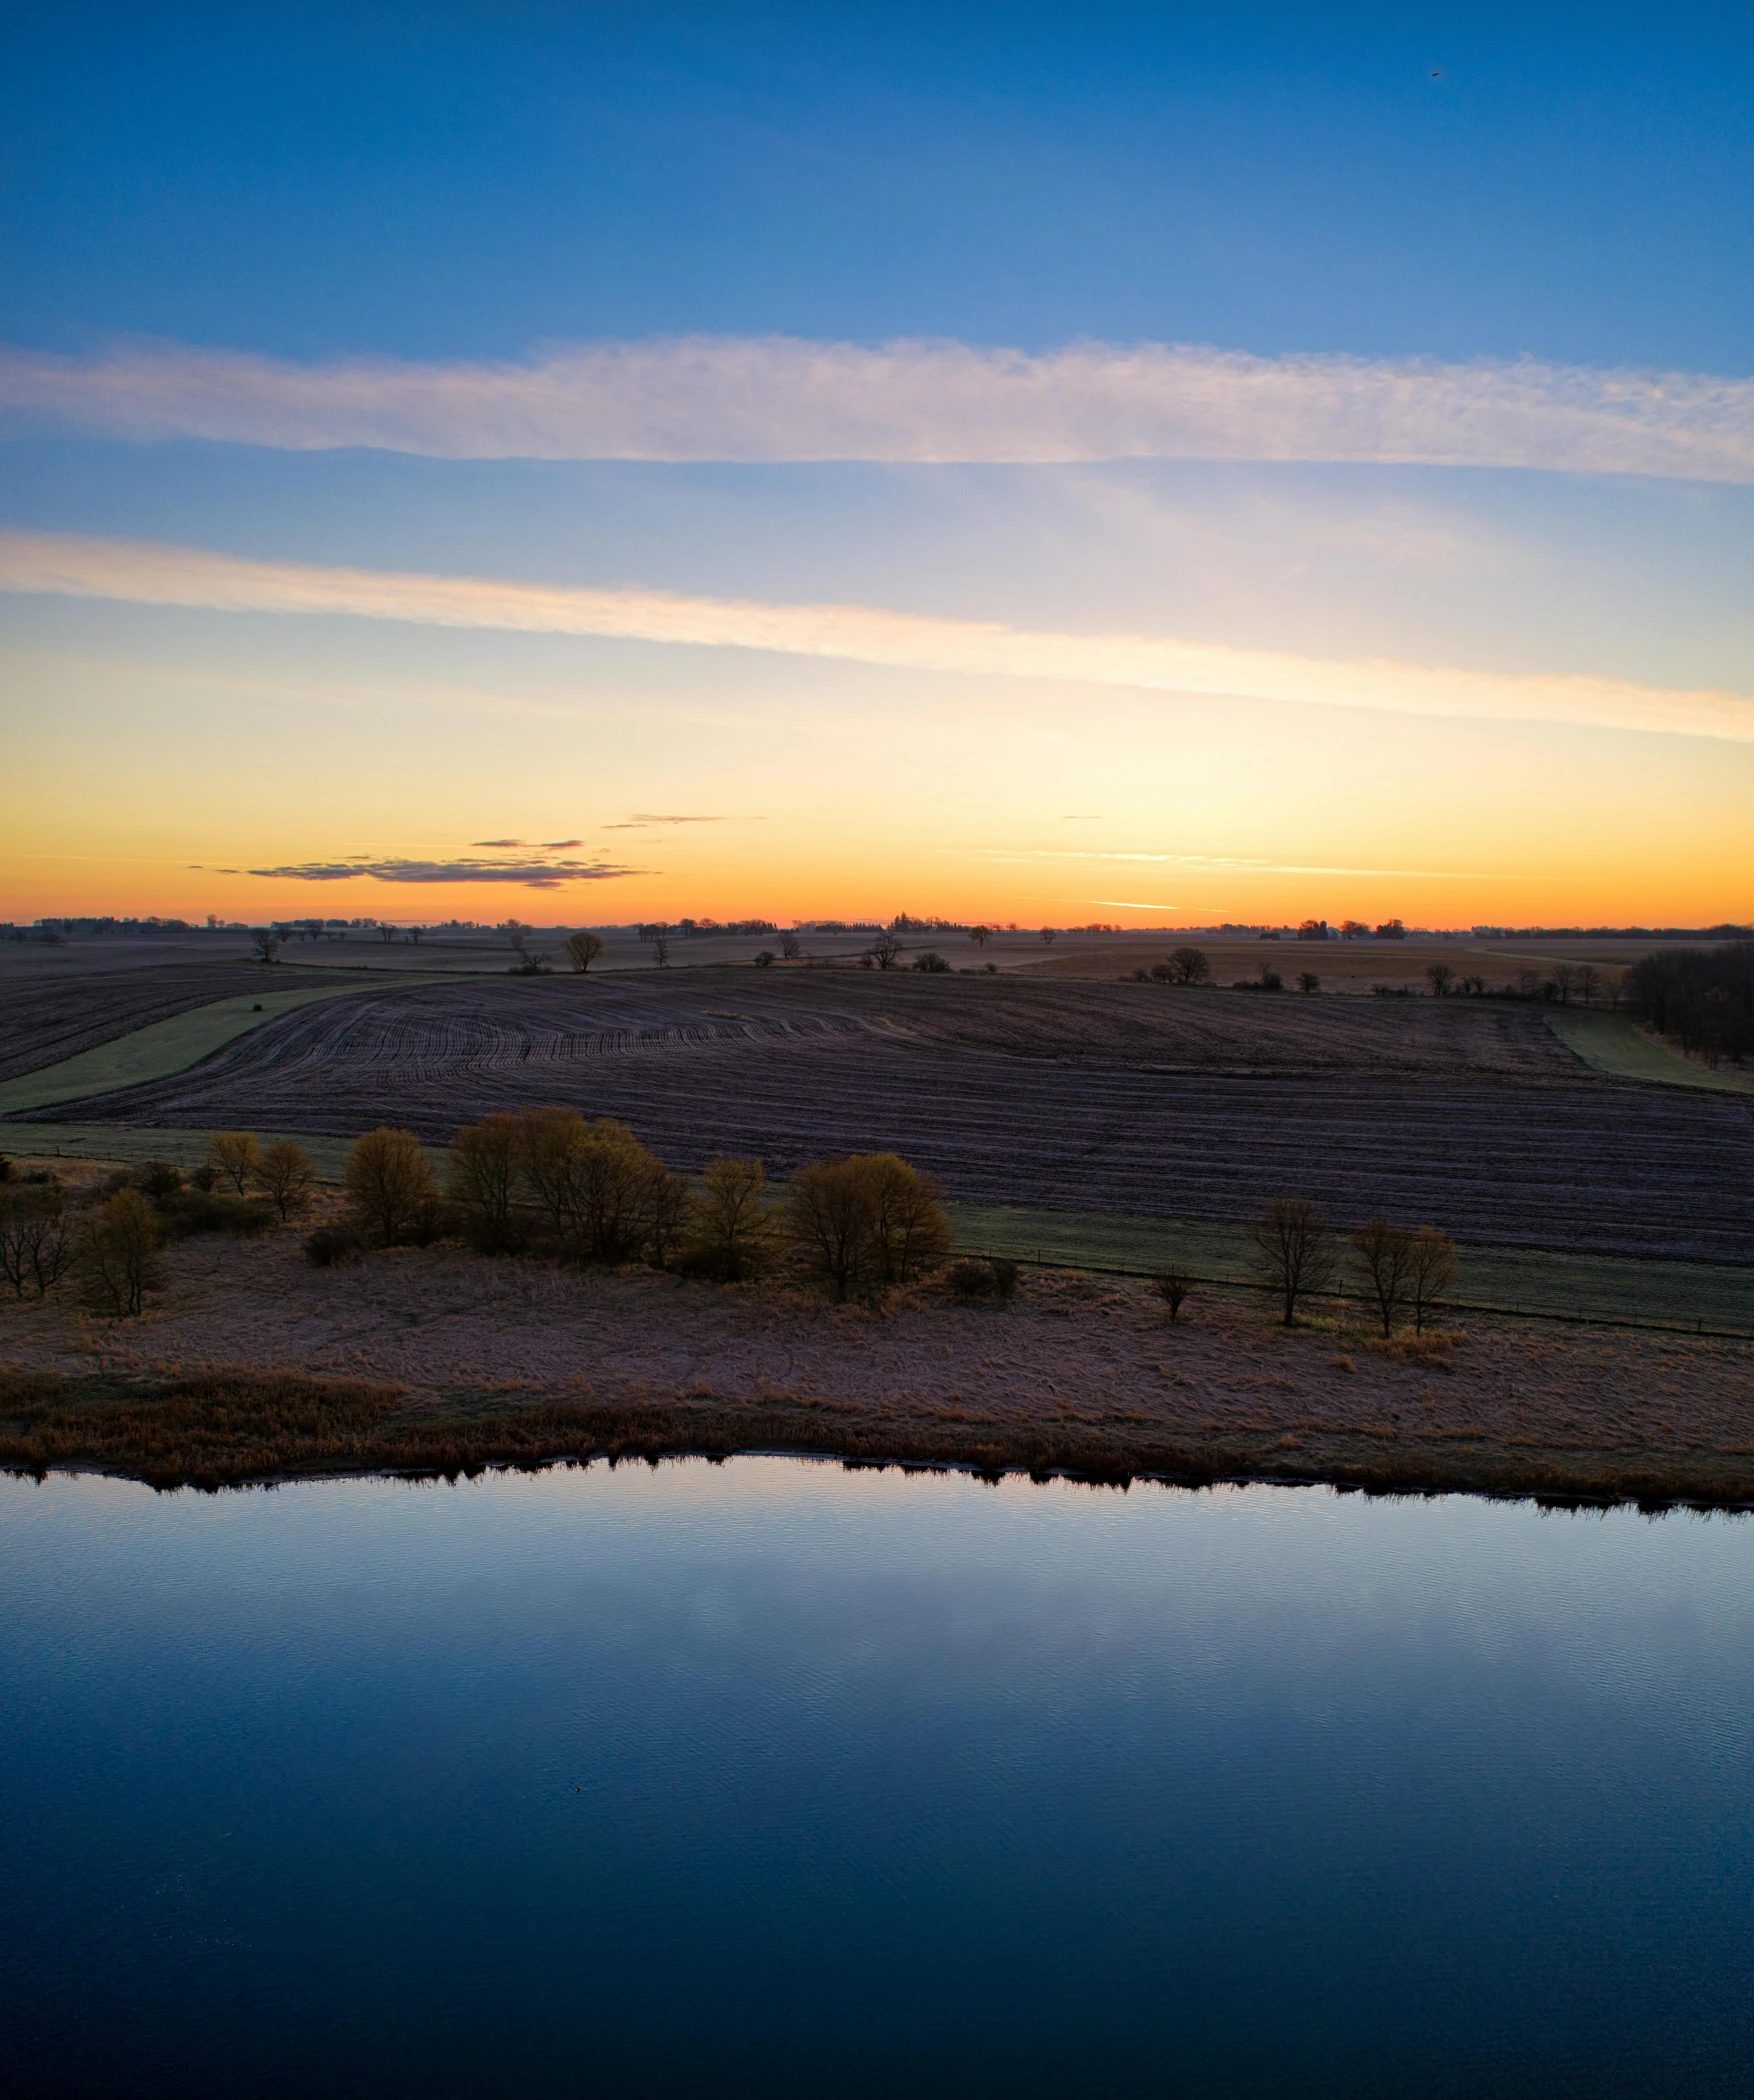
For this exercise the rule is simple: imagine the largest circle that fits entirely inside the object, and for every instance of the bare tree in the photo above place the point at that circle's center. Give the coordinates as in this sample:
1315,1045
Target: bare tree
790,945
386,933
661,945
1564,982
1292,1251
1308,981
884,951
980,935
266,943
416,934
1432,1272
1189,966
1440,977
482,1180
581,950
1589,983
1047,936
1384,1254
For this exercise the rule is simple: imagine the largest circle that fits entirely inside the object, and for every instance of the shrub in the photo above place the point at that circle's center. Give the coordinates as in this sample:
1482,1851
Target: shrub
863,1223
932,963
287,1177
1308,981
1291,1251
332,1245
482,1179
991,1277
731,1228
116,1254
157,1180
1173,1286
764,958
234,1157
389,1186
36,1241
193,1211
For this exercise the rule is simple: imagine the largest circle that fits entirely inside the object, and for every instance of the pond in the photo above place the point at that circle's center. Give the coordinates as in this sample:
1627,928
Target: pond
774,1775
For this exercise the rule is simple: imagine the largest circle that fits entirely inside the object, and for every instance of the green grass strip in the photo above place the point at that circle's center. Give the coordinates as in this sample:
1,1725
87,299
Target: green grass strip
1615,1043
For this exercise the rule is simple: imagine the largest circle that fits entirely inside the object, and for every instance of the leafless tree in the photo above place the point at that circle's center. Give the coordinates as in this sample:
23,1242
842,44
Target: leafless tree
980,935
1292,1251
266,943
386,933
790,945
1308,981
884,951
117,1254
581,950
1440,976
1189,966
661,945
1384,1255
1589,983
1564,982
1047,936
36,1241
1432,1271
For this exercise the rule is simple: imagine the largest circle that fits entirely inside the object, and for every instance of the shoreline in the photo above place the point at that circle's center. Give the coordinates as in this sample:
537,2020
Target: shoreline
330,1428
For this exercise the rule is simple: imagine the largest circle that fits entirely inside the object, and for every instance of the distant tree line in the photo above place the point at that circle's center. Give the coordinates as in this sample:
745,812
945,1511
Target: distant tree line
1702,997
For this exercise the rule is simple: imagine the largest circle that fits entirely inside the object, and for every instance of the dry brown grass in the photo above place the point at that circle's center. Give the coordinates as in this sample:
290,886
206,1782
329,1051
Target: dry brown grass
253,1365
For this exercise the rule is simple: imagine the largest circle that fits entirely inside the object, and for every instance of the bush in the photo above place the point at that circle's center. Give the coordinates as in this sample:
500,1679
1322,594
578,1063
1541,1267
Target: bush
932,963
1173,1286
157,1180
332,1245
116,1254
992,1277
864,1223
390,1189
193,1211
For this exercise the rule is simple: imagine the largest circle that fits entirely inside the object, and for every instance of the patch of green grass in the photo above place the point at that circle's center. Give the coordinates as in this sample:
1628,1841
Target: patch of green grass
1703,1295
168,1047
1615,1043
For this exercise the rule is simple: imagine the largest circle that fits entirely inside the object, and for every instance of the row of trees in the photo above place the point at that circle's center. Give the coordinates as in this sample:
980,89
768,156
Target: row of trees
547,1178
1404,1272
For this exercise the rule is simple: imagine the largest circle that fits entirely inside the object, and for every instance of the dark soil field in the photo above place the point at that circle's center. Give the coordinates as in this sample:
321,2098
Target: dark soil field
1086,1096
252,1364
50,1016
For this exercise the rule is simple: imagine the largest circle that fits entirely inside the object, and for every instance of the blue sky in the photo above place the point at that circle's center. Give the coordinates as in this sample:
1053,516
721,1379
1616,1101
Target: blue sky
501,186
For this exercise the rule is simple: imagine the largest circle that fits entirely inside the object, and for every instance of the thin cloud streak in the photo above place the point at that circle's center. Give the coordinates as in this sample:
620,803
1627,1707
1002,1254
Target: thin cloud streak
152,573
531,875
778,399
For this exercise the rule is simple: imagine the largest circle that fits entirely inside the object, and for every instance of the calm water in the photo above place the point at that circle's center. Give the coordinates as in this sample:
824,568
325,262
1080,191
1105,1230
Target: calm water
771,1775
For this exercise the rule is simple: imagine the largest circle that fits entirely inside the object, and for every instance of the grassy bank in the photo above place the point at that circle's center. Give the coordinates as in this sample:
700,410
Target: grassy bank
233,1428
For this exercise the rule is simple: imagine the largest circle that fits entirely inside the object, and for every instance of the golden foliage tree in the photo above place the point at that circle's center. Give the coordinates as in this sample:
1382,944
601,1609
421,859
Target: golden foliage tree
235,1157
287,1176
118,1254
731,1226
862,1223
482,1179
389,1185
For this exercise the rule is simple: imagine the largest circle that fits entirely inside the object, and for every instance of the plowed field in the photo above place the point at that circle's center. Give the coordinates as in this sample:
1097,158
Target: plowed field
1098,1098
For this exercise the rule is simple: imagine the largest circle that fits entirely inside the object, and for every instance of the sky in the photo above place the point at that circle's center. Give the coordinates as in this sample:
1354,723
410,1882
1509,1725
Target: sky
1160,466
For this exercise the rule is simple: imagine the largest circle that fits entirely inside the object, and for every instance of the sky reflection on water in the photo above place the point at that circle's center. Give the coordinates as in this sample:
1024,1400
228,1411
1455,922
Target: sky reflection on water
769,1773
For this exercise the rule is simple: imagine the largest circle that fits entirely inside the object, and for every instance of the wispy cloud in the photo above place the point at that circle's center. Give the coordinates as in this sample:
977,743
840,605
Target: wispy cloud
150,573
777,398
532,875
